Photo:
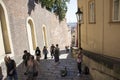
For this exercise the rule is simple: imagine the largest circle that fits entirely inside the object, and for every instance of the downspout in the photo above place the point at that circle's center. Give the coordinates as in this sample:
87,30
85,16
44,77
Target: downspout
103,31
86,24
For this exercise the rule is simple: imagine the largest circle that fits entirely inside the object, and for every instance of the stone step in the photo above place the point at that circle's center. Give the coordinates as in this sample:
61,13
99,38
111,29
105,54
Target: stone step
49,70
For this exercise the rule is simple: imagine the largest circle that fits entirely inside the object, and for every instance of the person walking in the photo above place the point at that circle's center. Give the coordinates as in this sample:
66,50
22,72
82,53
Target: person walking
67,49
1,75
32,69
79,61
25,58
52,49
56,54
11,68
45,52
37,53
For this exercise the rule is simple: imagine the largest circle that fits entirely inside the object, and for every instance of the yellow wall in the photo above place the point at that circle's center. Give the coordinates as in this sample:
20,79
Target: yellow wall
101,38
111,34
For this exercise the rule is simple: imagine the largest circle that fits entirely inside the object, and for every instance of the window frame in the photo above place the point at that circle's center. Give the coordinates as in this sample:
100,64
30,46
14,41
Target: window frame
112,15
92,20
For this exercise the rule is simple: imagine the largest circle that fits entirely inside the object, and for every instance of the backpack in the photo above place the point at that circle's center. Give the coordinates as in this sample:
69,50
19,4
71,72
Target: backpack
86,70
37,52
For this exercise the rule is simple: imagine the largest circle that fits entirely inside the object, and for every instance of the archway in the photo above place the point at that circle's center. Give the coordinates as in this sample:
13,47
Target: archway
31,35
45,36
5,36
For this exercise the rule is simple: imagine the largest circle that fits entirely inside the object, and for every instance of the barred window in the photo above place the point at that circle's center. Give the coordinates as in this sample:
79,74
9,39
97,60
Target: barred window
116,10
92,11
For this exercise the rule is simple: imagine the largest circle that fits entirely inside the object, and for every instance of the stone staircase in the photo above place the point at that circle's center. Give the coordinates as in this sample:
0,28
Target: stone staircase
49,70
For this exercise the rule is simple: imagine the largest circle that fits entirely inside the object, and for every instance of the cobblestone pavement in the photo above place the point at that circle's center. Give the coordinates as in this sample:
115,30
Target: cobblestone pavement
48,70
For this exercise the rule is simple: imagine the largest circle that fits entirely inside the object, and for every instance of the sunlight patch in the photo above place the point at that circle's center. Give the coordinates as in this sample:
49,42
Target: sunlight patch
63,56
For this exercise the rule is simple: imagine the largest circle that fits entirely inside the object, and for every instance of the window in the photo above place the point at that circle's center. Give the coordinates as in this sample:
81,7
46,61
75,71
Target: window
116,10
91,11
82,20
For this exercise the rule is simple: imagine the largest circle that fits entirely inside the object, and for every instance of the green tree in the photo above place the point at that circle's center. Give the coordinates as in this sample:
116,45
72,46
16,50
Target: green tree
59,7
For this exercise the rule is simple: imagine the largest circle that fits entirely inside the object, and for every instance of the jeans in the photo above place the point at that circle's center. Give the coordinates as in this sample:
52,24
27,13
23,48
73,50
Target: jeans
0,78
79,67
14,77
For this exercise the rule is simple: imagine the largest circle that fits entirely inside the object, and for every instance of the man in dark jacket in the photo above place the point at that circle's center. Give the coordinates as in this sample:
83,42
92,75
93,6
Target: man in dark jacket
37,53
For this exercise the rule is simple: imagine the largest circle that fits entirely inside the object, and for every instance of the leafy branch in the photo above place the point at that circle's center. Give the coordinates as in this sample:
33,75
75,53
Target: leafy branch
59,7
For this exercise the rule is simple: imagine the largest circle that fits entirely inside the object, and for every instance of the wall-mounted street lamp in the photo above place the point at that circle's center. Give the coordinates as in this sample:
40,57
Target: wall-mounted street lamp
79,19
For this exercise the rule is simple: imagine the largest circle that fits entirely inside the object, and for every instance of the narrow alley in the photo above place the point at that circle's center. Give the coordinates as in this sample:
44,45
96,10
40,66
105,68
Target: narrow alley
90,25
48,70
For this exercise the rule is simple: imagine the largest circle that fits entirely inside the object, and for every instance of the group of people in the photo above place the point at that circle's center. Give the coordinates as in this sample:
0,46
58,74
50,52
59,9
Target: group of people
31,64
54,51
31,68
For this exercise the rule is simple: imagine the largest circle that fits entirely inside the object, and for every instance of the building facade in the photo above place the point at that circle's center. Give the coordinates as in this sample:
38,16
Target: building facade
24,25
100,29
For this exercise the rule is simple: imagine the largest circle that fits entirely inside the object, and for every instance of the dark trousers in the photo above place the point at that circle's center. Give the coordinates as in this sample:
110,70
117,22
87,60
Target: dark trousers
45,57
52,54
79,67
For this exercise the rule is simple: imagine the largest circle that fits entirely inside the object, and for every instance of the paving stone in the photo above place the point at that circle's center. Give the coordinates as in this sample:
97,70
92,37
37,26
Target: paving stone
49,71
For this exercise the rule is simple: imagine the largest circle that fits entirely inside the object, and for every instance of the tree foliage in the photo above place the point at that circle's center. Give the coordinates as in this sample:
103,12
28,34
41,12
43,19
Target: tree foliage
59,7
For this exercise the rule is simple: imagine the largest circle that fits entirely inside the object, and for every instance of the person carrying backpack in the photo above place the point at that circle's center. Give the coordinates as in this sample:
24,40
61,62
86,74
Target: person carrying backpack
37,53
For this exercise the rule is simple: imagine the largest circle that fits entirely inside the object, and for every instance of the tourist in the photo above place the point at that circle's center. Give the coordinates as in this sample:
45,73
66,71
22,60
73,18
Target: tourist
67,49
32,68
25,57
11,68
56,54
37,53
52,48
79,61
45,52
